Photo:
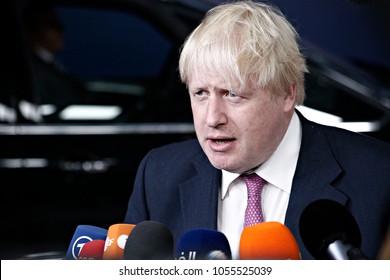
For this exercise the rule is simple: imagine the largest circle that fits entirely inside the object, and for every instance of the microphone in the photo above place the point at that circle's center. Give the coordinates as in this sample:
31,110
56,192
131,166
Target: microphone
203,244
149,240
330,232
92,250
116,240
82,235
268,241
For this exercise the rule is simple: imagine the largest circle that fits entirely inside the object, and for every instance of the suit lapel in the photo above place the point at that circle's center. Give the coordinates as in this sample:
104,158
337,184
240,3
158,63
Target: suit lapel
317,168
199,195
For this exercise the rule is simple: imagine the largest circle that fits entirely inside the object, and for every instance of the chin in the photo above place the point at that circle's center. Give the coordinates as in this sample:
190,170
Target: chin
226,167
224,162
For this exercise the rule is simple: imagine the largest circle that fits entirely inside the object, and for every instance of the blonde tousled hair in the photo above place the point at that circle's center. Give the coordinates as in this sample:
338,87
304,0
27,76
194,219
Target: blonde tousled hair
246,42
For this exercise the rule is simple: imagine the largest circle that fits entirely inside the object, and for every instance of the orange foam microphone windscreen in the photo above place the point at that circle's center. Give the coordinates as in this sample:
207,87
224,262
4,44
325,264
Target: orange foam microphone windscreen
116,240
268,241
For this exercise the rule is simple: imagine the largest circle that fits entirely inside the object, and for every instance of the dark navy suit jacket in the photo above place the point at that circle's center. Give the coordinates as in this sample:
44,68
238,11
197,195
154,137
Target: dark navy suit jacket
177,185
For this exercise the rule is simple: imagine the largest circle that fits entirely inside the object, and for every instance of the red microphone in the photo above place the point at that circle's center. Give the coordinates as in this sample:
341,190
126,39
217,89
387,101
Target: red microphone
92,250
268,241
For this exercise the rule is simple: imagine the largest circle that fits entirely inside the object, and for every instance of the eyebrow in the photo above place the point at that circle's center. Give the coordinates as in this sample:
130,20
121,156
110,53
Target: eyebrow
215,88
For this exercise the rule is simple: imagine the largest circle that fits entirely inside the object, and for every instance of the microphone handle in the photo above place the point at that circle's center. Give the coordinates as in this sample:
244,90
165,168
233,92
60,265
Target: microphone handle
339,250
356,254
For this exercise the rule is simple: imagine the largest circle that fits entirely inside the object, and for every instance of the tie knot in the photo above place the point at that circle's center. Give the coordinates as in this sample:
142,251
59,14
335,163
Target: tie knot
254,184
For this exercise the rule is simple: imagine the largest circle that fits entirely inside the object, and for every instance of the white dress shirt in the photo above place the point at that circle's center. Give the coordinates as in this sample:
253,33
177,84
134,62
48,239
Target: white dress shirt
278,171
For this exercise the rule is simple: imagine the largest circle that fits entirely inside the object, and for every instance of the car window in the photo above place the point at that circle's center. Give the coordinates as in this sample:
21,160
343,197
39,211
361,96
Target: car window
327,95
107,66
343,96
111,45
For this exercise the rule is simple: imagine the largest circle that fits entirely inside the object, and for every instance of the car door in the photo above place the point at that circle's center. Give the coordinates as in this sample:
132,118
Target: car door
73,134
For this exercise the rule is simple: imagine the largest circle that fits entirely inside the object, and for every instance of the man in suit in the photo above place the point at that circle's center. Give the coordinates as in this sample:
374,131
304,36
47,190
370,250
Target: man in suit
245,75
53,84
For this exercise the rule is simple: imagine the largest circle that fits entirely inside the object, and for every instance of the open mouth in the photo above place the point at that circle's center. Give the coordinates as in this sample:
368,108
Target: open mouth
222,141
221,145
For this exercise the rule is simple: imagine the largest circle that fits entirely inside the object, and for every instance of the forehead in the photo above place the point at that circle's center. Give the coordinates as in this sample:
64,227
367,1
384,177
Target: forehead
212,79
202,79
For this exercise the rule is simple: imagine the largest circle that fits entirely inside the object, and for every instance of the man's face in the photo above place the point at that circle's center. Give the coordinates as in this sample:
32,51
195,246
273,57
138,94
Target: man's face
238,130
51,39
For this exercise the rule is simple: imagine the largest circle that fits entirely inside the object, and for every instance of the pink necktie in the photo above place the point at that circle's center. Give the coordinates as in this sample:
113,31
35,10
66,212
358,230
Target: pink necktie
253,212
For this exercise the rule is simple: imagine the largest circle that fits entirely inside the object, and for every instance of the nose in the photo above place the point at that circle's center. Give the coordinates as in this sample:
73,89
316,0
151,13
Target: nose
216,113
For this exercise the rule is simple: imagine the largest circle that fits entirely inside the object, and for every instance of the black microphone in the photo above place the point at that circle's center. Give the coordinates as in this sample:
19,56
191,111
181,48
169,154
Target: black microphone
330,232
149,240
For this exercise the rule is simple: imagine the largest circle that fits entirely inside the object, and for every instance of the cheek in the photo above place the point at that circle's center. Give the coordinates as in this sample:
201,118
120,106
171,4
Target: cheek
263,125
195,110
197,116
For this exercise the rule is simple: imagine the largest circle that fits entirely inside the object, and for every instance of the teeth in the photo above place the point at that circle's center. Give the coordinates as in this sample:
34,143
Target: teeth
220,141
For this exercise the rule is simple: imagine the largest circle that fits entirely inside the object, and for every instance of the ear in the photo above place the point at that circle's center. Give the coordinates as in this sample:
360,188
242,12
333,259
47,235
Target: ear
290,98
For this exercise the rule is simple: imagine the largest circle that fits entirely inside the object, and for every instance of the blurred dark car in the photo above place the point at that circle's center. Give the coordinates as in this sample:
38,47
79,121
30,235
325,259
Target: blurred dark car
73,134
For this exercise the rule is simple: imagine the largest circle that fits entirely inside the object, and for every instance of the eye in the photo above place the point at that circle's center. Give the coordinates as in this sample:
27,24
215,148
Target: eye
232,94
199,94
234,97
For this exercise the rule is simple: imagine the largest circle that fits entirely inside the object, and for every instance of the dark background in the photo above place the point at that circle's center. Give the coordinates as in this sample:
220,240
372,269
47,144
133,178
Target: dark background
355,30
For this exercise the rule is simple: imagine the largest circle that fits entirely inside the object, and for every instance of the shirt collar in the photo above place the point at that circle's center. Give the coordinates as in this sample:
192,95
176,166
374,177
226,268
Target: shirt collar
279,169
44,54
